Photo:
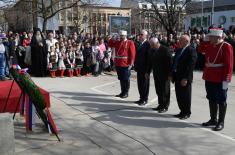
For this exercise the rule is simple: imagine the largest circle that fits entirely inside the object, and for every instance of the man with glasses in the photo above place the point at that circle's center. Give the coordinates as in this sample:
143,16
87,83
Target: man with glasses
141,60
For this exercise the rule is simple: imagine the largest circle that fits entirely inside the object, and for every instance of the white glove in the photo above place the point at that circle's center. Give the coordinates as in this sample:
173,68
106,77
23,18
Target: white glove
225,85
129,67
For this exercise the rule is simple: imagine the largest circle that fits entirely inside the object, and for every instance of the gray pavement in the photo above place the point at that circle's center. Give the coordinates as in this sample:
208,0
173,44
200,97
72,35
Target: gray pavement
92,121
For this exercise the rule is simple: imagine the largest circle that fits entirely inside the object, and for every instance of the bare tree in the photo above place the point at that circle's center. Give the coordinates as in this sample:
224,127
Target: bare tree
167,14
47,9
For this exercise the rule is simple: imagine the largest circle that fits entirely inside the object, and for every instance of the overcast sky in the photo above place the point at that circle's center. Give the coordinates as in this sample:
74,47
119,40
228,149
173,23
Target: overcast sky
112,3
115,2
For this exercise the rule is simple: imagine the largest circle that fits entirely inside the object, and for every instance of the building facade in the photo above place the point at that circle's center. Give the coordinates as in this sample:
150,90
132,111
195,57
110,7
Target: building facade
23,17
144,20
204,14
89,19
3,21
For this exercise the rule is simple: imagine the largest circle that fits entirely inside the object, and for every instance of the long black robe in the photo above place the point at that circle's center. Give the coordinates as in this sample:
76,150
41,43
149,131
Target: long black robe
38,57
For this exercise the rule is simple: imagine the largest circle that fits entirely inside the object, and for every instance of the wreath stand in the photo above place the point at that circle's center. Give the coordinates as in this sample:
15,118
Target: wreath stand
29,111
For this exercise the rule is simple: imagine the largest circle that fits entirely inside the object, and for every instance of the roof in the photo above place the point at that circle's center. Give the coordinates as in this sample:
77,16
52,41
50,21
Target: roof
129,3
107,7
218,3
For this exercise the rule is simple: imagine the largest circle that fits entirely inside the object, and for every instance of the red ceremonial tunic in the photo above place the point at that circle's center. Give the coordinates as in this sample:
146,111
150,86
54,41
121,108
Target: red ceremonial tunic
124,52
218,61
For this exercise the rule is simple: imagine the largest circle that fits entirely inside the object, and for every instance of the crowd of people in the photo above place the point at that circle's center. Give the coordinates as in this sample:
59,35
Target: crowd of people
58,55
172,59
78,54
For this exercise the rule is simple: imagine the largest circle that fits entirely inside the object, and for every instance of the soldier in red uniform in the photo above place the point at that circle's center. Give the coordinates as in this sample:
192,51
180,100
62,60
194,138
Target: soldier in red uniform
217,74
123,61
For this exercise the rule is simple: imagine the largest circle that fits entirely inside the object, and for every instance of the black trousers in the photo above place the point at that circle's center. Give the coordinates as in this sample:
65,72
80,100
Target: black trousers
163,91
184,96
124,76
143,86
125,86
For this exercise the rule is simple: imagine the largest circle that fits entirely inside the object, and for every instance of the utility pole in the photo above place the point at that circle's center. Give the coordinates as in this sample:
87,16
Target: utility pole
212,12
202,13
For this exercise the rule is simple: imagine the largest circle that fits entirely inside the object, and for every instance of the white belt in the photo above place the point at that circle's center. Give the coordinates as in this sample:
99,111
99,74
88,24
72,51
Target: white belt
214,65
121,57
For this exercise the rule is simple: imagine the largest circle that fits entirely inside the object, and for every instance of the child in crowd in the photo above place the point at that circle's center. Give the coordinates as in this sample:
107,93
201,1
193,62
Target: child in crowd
96,52
78,59
52,59
106,62
61,55
87,53
70,61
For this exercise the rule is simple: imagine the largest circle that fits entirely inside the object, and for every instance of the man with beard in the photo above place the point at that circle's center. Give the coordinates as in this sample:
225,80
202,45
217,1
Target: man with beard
38,54
160,61
141,60
124,61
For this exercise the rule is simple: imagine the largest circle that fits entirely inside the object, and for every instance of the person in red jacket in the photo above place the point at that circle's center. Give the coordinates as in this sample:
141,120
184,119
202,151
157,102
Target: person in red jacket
217,74
123,61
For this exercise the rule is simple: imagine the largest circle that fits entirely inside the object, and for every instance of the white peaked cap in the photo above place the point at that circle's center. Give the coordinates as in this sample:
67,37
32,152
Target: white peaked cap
216,32
123,33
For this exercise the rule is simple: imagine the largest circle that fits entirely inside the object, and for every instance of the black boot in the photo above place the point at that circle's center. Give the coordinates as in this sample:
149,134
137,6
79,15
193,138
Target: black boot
222,112
122,85
125,89
213,114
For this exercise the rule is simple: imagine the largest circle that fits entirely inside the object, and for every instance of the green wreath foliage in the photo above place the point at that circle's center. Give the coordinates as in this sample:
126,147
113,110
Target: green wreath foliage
31,89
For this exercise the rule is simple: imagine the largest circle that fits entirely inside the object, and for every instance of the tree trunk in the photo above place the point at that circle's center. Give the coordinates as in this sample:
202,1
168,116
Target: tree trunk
44,25
35,15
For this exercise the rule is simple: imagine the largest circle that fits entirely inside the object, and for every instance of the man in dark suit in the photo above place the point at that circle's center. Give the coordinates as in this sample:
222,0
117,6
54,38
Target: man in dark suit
160,61
141,68
182,71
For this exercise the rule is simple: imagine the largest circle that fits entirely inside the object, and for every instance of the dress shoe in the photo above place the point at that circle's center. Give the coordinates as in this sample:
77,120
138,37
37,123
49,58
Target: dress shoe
163,110
178,115
142,103
210,123
124,96
183,117
219,127
137,102
119,95
156,109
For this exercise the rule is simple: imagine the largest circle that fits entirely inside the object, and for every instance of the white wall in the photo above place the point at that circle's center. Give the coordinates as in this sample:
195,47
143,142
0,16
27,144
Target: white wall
217,15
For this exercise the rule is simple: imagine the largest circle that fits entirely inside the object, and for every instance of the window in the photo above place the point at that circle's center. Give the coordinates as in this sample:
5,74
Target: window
69,16
233,19
99,17
144,6
94,15
104,17
162,7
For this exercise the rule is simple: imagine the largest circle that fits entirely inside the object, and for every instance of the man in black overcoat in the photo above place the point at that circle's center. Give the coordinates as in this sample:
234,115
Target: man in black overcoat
182,75
38,54
160,61
140,66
